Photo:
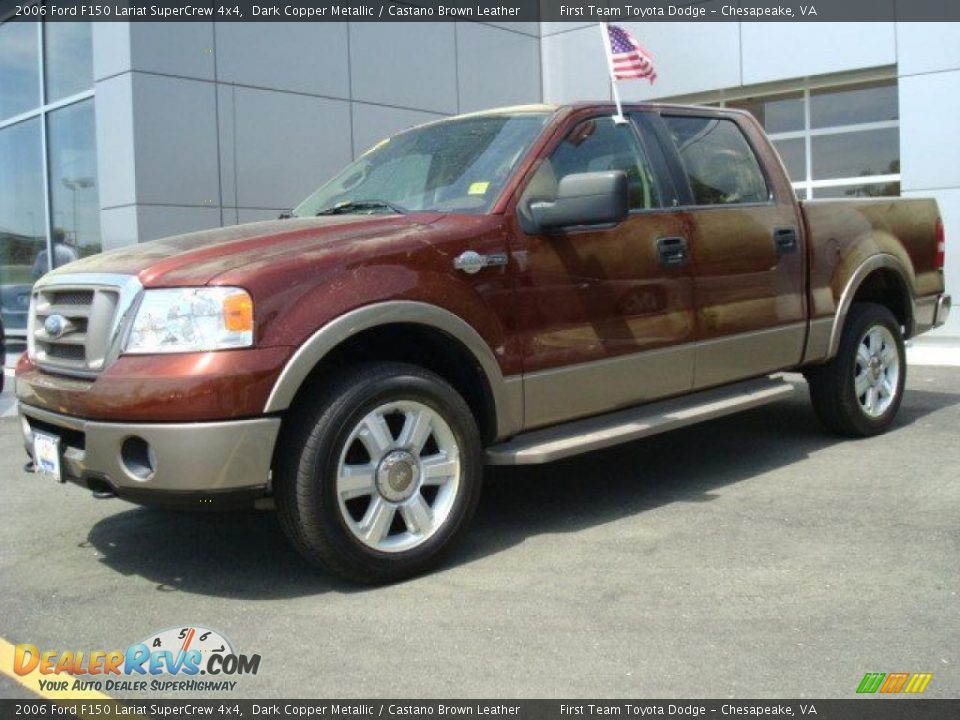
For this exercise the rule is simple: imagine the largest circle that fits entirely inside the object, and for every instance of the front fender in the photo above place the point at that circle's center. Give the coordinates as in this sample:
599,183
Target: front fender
337,331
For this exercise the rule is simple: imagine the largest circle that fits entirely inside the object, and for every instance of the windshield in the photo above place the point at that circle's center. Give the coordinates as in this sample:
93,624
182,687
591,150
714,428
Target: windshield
457,165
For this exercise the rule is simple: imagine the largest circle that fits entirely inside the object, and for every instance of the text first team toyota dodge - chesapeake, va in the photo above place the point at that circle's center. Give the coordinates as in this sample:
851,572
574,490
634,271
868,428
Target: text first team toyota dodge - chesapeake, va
505,287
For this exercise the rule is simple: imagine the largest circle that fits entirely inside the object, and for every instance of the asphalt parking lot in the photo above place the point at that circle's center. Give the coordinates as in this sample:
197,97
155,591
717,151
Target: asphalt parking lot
753,556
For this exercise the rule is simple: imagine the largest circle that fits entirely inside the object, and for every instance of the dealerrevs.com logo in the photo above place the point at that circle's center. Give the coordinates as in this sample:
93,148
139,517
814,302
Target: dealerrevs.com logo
168,661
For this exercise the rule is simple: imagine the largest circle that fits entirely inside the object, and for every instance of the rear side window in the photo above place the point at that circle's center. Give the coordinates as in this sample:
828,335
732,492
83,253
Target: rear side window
721,167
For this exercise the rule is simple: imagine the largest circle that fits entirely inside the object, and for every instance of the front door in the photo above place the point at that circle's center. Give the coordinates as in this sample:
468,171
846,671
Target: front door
606,314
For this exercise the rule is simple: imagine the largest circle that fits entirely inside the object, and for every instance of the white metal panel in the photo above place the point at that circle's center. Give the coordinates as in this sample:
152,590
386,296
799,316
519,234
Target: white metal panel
780,51
929,119
924,47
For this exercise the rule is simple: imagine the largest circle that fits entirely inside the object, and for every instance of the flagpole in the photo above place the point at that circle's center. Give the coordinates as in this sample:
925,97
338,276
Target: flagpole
605,33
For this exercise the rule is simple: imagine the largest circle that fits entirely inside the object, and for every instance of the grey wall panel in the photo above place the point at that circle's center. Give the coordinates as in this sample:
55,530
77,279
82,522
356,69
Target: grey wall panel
496,67
527,28
118,227
203,123
176,141
287,145
113,110
301,57
173,48
372,123
412,65
554,28
574,66
111,48
229,215
155,221
249,215
226,126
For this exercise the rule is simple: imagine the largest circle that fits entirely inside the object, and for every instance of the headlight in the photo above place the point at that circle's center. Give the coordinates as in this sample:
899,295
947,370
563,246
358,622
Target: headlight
192,319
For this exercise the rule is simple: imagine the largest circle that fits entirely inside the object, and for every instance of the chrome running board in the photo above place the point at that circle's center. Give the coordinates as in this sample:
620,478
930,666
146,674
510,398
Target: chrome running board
580,436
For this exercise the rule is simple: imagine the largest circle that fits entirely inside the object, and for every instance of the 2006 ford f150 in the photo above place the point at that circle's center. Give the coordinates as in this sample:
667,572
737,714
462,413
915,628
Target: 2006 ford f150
504,287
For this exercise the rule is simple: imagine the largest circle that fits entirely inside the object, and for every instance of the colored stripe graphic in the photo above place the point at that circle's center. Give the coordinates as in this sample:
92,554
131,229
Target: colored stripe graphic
918,682
894,682
870,683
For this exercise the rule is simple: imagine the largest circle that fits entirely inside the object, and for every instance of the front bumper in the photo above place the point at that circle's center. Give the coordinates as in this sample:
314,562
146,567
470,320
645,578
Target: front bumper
203,465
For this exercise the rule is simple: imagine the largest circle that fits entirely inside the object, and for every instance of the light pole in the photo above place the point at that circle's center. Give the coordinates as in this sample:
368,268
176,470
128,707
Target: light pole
74,184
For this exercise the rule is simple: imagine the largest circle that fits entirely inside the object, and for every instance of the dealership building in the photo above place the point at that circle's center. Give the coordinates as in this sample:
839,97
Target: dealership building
116,133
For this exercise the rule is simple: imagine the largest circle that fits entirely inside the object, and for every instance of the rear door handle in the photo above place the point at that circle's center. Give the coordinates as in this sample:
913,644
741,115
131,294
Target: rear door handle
672,251
785,240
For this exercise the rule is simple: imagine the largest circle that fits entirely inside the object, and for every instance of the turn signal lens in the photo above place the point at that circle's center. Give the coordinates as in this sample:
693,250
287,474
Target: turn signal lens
941,245
238,312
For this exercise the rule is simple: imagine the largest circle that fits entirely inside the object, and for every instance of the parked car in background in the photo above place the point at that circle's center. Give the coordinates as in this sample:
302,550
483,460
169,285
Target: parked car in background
506,287
14,308
3,354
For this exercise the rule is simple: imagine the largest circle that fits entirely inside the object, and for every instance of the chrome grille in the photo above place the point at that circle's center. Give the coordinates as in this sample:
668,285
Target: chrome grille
75,321
66,352
72,297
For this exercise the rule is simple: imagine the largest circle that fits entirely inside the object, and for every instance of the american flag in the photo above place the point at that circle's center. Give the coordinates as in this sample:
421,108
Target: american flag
629,59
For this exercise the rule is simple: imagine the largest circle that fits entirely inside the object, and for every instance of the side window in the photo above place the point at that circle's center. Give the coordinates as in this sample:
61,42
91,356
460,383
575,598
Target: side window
720,164
595,145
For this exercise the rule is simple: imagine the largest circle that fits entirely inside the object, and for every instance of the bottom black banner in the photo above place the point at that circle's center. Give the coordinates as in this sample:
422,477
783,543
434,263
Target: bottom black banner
853,709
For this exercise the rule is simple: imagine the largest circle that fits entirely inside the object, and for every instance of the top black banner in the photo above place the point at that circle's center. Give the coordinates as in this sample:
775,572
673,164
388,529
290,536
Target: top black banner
572,11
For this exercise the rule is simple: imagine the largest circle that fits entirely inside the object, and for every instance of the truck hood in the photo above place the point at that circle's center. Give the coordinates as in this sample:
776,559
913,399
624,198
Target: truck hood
197,258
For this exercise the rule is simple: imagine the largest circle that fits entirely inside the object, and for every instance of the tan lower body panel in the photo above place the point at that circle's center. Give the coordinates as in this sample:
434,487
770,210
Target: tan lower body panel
818,342
750,354
614,428
565,393
578,391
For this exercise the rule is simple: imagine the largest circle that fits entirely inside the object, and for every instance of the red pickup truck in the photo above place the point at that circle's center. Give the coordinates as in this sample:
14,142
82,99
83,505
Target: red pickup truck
504,287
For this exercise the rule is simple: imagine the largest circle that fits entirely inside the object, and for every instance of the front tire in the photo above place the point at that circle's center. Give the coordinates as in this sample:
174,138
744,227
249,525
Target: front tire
858,393
380,472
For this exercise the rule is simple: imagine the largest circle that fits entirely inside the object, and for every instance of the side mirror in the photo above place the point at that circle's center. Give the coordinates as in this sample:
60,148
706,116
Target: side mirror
593,198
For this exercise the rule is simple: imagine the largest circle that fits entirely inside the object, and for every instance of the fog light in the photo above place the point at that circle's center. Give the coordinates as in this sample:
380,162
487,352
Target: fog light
138,458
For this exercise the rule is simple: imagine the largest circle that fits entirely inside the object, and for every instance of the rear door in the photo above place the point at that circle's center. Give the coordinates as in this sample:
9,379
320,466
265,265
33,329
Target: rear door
605,314
746,245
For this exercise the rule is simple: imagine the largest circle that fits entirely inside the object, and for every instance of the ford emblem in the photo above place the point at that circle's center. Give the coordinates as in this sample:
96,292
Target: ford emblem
55,326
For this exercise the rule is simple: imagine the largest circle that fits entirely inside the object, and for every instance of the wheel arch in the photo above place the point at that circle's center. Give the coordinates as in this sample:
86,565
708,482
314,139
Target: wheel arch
432,337
882,279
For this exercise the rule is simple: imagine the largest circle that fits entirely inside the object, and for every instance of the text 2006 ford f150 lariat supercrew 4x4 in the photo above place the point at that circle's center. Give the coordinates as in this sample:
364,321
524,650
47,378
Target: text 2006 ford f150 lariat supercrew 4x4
505,287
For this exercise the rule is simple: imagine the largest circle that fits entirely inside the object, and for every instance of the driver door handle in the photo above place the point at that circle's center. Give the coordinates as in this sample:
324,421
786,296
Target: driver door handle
672,252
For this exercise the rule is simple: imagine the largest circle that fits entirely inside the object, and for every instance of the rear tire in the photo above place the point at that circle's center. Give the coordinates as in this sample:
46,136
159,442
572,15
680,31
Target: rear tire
858,393
379,473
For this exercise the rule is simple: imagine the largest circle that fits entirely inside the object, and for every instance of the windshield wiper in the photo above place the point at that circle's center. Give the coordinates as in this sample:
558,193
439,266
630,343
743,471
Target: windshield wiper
351,206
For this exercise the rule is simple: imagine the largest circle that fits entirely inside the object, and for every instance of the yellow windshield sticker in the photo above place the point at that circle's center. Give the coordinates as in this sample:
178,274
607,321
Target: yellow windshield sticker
478,188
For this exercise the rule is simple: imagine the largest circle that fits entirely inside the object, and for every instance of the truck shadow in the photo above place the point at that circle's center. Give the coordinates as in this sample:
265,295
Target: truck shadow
246,556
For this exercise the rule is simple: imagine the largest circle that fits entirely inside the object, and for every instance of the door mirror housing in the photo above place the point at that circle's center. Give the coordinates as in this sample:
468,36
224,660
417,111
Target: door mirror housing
584,199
